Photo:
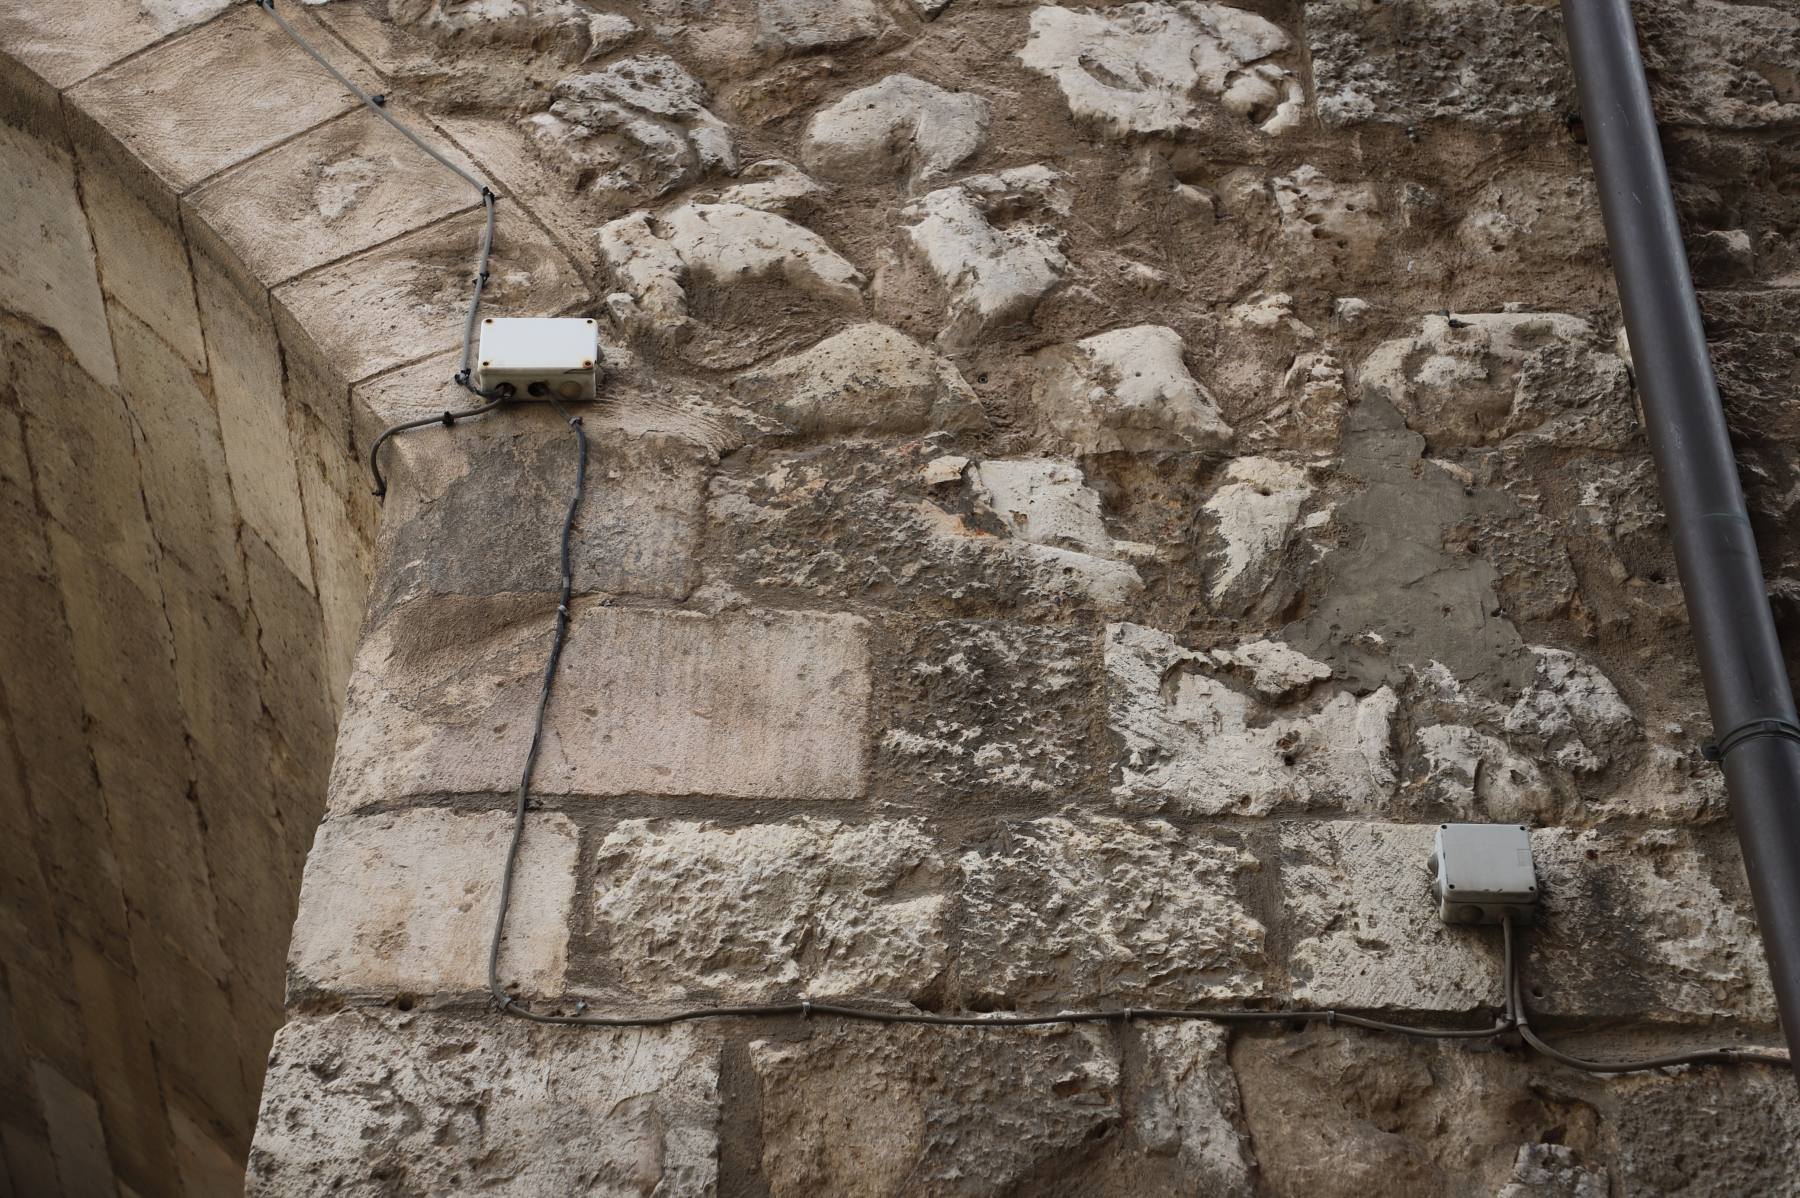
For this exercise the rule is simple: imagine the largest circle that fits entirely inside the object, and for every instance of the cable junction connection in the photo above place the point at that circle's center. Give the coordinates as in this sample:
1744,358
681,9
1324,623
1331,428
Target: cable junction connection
1513,1016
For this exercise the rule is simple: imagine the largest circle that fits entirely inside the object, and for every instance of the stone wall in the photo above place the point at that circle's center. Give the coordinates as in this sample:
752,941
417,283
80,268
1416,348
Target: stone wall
1080,493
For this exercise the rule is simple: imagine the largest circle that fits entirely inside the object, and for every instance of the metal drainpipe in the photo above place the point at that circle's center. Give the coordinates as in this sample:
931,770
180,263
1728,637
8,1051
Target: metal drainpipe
1740,656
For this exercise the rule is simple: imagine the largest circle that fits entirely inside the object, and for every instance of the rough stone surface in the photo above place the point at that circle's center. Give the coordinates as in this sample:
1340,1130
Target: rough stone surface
1145,67
907,525
988,708
766,911
1486,63
1105,911
752,704
427,887
1195,741
966,1113
867,379
1078,493
991,272
634,131
374,1102
1127,390
1478,378
901,125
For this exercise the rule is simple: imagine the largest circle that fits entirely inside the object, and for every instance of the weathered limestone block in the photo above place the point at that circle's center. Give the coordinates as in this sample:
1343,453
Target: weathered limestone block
788,27
1105,910
1748,1142
50,275
1126,390
1487,63
1722,64
1195,741
993,244
405,299
867,379
1257,511
364,1102
774,185
876,1112
1365,929
1345,1114
1366,932
1189,1109
1048,506
902,524
987,708
1157,67
180,107
743,704
139,235
860,1111
633,131
1476,379
899,126
727,282
1680,942
345,186
812,908
638,530
65,43
569,31
426,884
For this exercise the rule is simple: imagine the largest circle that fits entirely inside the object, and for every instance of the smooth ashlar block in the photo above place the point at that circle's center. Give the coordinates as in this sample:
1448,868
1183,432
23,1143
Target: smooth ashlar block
405,901
761,704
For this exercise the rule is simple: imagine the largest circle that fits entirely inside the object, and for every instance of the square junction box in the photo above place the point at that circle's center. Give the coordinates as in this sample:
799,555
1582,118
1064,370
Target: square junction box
1483,872
542,357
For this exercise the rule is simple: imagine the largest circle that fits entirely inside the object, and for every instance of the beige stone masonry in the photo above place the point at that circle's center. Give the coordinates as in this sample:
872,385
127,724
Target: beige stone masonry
406,902
197,104
746,705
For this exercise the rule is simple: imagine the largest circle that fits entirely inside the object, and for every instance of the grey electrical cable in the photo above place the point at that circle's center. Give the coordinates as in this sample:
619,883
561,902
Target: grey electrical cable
1513,1009
447,419
484,257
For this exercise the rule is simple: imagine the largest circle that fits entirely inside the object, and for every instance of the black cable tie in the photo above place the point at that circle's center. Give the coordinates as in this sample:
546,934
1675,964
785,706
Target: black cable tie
449,419
488,196
1715,751
379,99
482,277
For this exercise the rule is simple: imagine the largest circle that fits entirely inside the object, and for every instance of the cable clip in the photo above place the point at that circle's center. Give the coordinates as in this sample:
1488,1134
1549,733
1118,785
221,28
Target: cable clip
1330,1018
1127,1013
449,419
1715,751
805,1009
379,99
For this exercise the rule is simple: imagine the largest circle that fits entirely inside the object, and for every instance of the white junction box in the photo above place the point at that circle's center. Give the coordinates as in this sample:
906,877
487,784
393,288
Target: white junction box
543,357
1483,872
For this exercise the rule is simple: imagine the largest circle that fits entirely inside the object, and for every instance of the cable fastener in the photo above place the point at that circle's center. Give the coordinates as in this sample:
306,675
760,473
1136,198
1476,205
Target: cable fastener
1715,751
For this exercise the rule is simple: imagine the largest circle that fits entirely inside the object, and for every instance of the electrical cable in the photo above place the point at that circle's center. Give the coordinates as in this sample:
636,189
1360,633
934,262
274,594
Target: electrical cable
1513,1015
464,375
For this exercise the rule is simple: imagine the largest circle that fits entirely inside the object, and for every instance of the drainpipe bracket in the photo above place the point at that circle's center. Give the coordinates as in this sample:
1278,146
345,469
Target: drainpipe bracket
1748,730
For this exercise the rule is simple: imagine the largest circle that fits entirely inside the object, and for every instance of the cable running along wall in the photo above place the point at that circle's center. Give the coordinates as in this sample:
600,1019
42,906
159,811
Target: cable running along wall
1513,1017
